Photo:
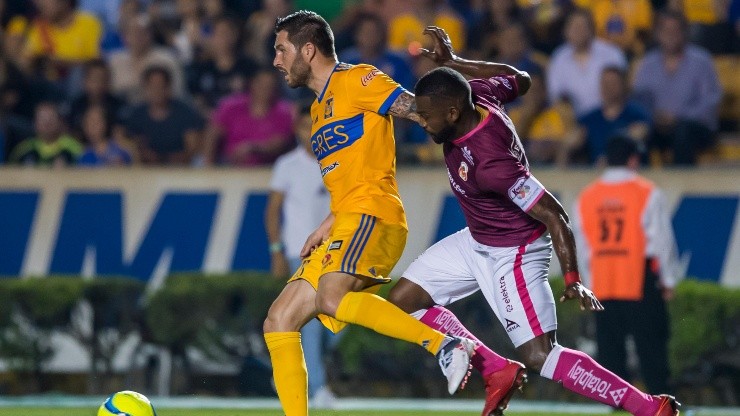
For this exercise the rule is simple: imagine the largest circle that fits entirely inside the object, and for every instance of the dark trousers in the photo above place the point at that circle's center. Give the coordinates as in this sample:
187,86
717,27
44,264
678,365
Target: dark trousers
647,322
686,139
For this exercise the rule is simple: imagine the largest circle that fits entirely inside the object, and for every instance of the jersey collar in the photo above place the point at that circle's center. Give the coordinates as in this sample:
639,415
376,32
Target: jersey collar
480,125
321,96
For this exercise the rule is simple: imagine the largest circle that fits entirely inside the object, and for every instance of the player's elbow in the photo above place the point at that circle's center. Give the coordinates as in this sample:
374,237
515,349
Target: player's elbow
523,81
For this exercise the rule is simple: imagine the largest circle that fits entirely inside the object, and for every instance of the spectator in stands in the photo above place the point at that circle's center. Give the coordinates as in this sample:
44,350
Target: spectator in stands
52,146
96,91
167,131
259,30
408,26
224,71
15,19
623,213
514,49
140,53
625,23
677,82
197,19
60,39
617,115
545,21
543,128
709,23
252,128
576,66
101,150
370,48
498,14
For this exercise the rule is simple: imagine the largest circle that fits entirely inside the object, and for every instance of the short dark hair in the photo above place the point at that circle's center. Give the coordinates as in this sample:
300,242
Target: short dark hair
444,82
620,148
157,69
617,70
586,13
667,14
95,64
305,26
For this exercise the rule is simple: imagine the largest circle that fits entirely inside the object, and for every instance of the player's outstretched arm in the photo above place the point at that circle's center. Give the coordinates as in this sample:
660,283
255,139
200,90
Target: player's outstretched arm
443,55
549,212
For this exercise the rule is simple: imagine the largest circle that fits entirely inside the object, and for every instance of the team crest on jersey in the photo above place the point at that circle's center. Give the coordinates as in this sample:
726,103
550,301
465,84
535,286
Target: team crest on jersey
329,107
463,171
326,261
468,155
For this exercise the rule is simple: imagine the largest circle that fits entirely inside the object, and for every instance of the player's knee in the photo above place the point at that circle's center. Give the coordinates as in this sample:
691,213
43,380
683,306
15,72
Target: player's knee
535,360
409,296
279,320
327,303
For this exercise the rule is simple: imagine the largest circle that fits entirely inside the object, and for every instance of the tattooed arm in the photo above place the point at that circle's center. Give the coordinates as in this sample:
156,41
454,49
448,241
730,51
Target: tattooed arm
405,107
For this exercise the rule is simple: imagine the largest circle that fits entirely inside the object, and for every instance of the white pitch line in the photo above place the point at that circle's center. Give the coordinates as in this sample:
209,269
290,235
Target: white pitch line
347,403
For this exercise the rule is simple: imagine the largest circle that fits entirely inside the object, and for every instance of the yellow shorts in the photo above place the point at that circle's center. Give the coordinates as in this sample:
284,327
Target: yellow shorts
359,244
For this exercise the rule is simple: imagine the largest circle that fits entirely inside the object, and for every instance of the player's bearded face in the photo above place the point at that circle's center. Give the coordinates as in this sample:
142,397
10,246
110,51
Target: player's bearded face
445,134
299,72
437,120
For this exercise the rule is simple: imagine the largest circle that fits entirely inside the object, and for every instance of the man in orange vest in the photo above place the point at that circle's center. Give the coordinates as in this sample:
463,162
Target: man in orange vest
627,249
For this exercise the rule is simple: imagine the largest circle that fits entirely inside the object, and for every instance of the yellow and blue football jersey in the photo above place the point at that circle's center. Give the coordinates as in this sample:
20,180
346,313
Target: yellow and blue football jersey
352,138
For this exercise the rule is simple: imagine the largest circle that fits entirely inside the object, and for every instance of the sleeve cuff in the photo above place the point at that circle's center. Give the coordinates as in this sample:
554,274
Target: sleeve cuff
383,110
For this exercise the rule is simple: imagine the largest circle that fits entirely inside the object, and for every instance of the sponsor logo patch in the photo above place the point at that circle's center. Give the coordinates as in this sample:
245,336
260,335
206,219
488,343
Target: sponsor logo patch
519,189
618,395
369,77
326,261
511,325
587,381
468,155
335,245
329,168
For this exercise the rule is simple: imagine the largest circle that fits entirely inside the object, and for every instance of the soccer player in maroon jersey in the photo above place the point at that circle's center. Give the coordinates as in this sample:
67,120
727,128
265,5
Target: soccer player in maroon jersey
513,224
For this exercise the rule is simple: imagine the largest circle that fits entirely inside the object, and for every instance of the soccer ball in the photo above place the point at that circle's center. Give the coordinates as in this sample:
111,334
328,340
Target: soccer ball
126,403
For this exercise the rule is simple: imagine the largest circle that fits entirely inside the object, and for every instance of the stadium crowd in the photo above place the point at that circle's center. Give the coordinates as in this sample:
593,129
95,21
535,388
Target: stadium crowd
190,82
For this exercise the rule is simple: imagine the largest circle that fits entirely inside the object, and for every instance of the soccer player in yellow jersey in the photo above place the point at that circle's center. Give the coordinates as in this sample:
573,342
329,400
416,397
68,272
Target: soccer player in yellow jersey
355,248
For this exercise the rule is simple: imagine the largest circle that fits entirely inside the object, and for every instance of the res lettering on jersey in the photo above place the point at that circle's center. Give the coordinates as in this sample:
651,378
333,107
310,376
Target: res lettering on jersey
352,138
489,173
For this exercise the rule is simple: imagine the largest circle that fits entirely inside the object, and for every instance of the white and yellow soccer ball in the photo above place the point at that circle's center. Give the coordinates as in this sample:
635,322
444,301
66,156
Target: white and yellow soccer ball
127,403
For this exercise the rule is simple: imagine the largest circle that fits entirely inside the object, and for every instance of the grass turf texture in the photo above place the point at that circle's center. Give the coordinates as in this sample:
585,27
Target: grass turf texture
61,411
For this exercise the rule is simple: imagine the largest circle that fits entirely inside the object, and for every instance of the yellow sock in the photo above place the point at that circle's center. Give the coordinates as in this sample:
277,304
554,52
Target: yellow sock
383,317
289,371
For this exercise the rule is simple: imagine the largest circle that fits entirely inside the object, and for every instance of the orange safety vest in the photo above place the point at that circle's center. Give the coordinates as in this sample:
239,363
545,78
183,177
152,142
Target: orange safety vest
611,214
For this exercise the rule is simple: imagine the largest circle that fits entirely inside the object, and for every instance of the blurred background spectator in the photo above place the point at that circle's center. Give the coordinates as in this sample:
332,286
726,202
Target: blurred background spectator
409,25
59,39
222,70
52,146
575,68
138,54
101,150
251,128
93,53
166,130
616,115
678,83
